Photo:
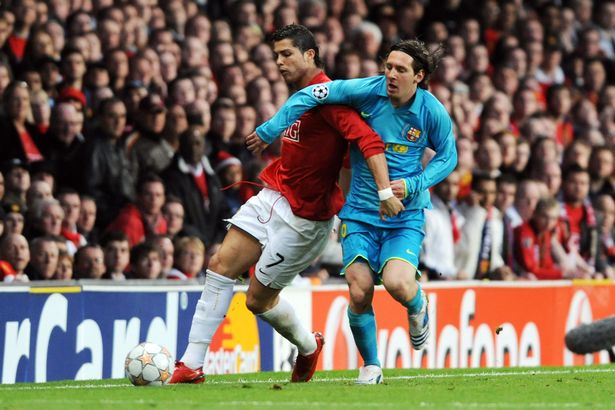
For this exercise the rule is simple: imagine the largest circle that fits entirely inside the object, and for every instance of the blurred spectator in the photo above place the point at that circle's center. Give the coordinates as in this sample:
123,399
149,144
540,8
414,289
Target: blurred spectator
537,248
176,122
65,267
443,226
15,251
150,151
602,171
146,263
191,178
164,244
479,253
116,250
89,262
550,173
559,103
86,224
71,203
144,218
526,198
20,137
110,172
189,257
223,124
62,143
38,191
578,220
14,219
44,258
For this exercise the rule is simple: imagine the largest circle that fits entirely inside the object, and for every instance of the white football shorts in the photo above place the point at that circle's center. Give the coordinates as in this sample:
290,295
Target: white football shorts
290,243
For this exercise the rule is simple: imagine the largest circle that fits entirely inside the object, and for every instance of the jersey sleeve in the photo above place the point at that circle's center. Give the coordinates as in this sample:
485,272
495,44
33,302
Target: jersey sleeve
350,125
442,141
346,92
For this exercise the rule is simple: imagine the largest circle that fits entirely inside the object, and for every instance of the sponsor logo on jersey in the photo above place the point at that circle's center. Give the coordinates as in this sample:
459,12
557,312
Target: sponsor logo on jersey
398,148
365,114
413,135
292,133
320,92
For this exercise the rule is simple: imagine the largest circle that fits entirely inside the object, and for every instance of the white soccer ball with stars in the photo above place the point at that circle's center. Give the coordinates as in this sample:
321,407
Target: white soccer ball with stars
149,364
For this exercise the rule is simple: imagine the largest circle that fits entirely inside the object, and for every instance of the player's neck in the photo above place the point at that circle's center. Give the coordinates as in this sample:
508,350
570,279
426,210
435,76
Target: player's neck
307,77
400,102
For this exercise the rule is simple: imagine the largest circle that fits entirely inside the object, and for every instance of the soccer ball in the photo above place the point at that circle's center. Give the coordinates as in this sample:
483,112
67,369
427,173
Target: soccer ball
320,92
149,364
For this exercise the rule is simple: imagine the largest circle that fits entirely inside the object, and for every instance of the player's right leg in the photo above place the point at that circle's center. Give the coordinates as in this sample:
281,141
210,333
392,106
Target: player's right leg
358,246
237,253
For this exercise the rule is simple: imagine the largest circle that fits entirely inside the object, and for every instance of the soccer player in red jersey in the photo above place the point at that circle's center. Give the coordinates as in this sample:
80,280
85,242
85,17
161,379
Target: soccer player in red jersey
285,227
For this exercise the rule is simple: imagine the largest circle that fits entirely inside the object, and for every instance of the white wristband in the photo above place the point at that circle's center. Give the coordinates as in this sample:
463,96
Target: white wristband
385,194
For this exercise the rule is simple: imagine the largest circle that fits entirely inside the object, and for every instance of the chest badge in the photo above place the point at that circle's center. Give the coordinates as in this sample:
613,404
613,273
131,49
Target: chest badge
413,135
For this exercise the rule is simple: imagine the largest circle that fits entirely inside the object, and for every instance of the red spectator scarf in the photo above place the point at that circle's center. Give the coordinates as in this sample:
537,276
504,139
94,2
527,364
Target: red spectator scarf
29,147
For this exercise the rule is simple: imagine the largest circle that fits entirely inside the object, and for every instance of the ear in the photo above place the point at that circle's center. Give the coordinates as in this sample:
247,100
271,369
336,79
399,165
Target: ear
310,54
418,77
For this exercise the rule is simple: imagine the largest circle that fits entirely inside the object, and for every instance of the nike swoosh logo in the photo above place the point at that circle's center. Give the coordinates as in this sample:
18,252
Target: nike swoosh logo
409,252
365,114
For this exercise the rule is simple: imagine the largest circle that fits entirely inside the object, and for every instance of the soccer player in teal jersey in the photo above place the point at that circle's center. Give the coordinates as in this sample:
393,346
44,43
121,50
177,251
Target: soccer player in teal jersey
409,119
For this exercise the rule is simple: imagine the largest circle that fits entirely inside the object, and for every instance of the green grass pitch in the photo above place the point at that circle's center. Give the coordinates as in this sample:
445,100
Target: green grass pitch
517,388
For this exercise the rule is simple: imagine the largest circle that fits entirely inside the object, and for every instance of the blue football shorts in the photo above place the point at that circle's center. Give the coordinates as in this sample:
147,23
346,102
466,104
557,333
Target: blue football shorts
377,246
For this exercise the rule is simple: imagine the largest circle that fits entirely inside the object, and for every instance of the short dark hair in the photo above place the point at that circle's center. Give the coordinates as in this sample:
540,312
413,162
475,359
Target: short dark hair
573,170
423,59
302,38
480,176
510,179
148,178
113,236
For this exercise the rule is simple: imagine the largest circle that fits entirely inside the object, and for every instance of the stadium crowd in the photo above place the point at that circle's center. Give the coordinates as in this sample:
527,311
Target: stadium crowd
122,128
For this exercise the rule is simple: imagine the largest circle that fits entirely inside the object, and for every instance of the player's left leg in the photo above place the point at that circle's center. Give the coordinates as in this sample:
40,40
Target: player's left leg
399,253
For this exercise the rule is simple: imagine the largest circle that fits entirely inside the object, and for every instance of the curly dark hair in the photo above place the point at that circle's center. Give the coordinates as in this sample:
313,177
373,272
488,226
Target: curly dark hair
423,58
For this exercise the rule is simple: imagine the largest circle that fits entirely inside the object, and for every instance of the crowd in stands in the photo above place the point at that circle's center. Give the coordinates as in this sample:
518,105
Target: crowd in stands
122,126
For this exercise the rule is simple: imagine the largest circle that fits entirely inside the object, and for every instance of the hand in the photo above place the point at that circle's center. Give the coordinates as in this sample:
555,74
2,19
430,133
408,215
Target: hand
399,188
255,144
390,207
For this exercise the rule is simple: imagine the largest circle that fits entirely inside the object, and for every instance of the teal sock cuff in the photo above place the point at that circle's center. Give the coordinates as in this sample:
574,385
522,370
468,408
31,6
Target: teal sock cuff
360,319
416,303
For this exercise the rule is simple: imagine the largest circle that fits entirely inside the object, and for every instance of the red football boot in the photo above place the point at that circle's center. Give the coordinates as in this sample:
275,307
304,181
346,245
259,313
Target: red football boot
184,374
305,366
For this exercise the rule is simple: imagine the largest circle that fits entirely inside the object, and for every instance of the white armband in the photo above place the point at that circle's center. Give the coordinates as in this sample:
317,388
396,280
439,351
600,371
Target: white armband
385,194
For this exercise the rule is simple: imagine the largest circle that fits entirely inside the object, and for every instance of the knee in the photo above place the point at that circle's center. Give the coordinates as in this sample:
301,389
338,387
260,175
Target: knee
401,288
218,265
360,297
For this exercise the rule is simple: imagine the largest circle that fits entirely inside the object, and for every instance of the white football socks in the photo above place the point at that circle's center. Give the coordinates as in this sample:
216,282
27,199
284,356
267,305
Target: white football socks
283,319
210,311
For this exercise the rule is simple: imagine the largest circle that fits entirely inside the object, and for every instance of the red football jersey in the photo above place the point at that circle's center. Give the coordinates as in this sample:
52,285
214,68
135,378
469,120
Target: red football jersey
312,154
